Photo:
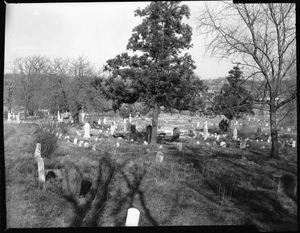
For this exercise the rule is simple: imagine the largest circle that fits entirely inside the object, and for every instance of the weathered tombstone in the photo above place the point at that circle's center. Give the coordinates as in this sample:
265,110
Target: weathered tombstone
243,144
223,144
294,144
18,119
269,139
159,157
8,117
288,130
82,116
205,131
145,143
117,144
87,130
288,185
112,129
75,141
176,132
86,145
149,132
59,136
218,138
160,147
104,120
235,133
72,180
198,142
198,124
94,147
179,146
80,143
258,132
132,218
133,129
41,170
37,152
130,118
99,121
96,139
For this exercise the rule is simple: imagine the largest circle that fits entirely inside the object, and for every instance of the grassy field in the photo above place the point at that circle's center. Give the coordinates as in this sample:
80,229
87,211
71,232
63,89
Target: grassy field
201,185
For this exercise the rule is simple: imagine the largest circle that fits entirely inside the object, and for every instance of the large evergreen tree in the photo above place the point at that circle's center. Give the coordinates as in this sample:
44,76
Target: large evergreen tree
233,101
159,75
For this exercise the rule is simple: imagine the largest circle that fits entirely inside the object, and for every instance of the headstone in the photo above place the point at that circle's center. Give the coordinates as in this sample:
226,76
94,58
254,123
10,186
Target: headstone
258,131
160,147
145,143
117,144
218,138
59,136
243,144
41,170
267,125
269,139
75,141
133,129
294,144
86,144
18,119
104,120
288,185
205,131
8,117
223,144
159,157
235,133
132,218
198,124
37,153
288,130
99,121
80,143
112,129
130,118
198,142
96,139
87,130
82,116
149,132
94,147
72,180
179,146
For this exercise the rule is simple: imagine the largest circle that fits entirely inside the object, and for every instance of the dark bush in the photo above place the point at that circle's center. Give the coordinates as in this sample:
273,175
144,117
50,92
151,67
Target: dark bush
48,141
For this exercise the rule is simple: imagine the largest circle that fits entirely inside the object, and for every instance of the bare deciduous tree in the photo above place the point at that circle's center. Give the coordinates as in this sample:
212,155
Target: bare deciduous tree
262,37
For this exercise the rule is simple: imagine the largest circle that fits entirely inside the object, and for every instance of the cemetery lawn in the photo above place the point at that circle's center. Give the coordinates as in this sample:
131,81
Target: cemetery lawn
201,185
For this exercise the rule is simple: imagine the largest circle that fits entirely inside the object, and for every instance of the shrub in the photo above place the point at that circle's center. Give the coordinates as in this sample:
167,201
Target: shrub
48,141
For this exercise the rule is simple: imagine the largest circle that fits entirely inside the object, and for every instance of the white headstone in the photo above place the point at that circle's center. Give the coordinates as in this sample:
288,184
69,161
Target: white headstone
159,157
205,131
104,120
198,124
75,141
37,153
288,130
117,144
59,136
198,142
87,129
179,146
223,144
130,118
145,143
218,137
96,139
132,218
18,119
99,121
80,143
235,133
267,124
82,116
41,170
8,118
112,129
94,147
86,144
294,144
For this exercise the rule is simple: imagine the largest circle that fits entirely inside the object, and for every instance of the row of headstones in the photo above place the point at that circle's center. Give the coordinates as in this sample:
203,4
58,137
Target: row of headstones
133,214
13,118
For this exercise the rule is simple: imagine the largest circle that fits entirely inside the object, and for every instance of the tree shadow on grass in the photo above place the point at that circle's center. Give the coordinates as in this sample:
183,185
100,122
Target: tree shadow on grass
108,198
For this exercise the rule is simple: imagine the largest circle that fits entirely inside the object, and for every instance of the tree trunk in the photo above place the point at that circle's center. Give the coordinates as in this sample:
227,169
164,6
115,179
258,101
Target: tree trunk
154,125
76,118
274,134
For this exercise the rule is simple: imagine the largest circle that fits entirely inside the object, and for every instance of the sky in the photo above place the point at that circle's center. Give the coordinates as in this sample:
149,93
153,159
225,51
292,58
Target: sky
98,31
